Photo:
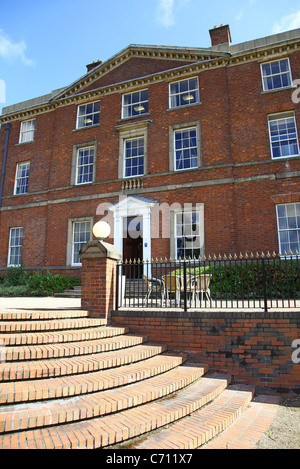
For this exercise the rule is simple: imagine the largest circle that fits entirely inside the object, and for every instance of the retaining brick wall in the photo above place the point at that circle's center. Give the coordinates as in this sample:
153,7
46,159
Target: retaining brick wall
254,347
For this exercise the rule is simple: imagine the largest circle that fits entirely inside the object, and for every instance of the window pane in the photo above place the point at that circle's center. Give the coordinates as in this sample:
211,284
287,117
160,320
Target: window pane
187,235
88,114
134,157
135,104
81,235
289,227
184,93
15,246
22,176
284,138
276,75
186,151
27,131
85,165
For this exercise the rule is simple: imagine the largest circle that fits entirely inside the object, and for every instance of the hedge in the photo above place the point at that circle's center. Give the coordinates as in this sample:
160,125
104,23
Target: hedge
19,282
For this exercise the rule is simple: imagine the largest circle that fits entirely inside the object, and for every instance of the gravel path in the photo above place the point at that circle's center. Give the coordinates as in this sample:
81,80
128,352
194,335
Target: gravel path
284,432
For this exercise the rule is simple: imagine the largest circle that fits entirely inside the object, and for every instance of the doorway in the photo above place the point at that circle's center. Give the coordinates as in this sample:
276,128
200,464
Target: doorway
133,245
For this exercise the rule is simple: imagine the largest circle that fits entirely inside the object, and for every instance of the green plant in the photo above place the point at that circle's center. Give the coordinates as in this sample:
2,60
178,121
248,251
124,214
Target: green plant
18,282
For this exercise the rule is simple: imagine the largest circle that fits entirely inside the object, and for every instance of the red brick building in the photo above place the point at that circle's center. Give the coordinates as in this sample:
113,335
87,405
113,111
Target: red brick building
185,151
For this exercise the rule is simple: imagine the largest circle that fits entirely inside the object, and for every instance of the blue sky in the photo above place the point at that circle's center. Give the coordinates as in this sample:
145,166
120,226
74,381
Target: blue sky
45,45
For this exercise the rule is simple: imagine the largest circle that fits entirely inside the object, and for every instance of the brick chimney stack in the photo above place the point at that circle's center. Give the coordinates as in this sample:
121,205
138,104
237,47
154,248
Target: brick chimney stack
93,65
220,35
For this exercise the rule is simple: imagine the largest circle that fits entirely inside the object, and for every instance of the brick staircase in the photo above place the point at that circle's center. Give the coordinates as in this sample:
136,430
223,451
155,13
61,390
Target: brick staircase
70,381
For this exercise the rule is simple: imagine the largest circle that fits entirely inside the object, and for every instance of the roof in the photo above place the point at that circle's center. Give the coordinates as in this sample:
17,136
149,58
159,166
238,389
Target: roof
201,57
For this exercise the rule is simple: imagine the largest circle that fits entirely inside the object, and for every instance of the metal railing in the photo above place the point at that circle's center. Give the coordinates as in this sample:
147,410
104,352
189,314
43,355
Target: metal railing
233,281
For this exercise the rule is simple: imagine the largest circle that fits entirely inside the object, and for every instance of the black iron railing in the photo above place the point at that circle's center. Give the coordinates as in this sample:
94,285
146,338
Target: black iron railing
233,281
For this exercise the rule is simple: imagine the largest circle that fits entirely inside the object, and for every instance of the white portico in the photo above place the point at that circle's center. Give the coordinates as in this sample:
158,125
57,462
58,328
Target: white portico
132,226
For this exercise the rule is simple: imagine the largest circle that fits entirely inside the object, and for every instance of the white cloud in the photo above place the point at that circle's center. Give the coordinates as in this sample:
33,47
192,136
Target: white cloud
287,23
165,11
240,15
10,50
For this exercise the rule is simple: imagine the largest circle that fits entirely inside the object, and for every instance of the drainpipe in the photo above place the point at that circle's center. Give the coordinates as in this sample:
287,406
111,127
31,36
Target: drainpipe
8,126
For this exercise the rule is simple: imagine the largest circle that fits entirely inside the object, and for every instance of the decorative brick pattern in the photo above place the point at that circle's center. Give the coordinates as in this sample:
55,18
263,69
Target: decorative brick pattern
253,347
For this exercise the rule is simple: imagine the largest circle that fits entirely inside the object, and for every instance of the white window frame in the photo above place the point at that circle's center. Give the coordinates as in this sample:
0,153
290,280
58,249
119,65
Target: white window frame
132,131
187,148
75,222
127,140
188,234
27,130
288,226
186,209
15,246
88,118
272,75
190,96
282,119
136,108
89,165
19,177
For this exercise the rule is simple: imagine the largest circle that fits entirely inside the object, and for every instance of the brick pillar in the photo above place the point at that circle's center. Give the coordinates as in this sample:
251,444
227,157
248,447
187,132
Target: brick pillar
98,278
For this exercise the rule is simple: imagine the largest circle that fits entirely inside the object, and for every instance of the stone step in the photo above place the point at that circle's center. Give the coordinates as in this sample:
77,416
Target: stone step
121,425
69,294
57,350
60,387
61,336
77,365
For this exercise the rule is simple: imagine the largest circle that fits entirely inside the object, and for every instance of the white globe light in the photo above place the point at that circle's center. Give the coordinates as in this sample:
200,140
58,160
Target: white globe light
101,229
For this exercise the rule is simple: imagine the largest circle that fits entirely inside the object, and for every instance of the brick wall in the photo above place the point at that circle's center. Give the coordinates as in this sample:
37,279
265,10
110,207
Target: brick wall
238,182
254,347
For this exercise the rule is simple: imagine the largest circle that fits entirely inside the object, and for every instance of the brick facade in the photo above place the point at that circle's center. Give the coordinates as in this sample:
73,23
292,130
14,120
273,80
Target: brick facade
236,181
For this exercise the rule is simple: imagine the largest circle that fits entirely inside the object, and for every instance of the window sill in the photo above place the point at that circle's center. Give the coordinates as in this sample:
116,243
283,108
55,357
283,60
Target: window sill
83,184
24,143
285,157
87,127
279,89
125,119
183,107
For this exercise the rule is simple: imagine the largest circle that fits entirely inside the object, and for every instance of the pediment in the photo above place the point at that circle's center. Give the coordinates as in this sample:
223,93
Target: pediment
132,204
137,62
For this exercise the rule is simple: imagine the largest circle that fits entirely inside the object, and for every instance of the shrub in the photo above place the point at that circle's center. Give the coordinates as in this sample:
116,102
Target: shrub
238,279
18,282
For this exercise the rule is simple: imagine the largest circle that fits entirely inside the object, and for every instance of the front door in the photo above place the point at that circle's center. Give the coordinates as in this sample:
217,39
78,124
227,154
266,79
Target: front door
133,245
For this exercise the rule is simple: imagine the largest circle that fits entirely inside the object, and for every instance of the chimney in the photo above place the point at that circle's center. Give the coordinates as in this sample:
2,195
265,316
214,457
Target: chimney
95,64
220,35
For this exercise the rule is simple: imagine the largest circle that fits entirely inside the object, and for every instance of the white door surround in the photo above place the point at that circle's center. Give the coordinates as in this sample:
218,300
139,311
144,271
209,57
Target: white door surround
133,206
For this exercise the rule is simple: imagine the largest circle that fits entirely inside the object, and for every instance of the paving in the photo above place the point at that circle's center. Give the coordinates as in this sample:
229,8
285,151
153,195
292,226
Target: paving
68,381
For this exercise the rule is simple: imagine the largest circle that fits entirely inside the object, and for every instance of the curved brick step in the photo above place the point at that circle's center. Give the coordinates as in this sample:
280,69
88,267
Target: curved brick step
112,429
27,315
250,427
19,417
81,364
205,424
48,325
75,335
47,351
56,388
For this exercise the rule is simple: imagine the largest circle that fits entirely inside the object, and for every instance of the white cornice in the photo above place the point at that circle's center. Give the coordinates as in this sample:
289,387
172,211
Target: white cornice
207,60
